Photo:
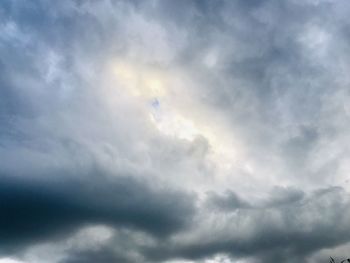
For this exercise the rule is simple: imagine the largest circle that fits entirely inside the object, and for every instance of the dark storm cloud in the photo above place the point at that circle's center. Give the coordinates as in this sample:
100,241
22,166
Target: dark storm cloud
102,256
289,231
34,210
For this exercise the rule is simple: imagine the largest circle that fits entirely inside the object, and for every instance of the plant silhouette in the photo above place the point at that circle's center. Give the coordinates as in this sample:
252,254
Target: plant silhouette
333,261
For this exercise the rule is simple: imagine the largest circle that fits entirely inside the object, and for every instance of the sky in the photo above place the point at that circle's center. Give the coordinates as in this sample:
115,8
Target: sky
187,131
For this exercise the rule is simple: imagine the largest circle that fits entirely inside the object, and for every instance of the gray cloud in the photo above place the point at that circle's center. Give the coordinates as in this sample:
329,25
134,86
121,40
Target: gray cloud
103,256
289,232
251,122
228,201
39,209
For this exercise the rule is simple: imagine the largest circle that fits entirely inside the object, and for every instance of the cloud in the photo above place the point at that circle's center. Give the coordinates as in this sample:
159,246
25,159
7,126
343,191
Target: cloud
36,210
289,231
268,233
228,201
190,130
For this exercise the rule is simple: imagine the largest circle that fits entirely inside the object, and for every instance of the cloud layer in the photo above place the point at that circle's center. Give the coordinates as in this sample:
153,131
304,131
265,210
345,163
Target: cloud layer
174,131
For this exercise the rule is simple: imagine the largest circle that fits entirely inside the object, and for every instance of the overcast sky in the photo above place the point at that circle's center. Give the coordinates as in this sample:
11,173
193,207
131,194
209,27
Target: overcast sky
174,131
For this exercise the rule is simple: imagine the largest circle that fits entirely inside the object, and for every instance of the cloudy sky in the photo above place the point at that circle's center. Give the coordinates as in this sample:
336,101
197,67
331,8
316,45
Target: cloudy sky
204,131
